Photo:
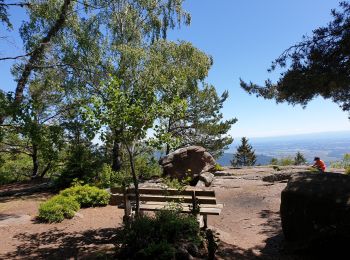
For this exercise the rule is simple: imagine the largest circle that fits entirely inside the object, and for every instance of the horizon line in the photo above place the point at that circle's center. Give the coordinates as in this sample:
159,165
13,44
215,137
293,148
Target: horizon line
297,134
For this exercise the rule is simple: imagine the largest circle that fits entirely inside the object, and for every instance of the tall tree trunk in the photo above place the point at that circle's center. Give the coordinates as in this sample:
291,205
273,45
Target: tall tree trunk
116,161
35,161
39,51
135,180
167,151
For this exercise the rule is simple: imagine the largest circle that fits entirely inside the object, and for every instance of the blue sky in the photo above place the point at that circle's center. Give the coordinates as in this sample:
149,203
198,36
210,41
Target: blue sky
243,37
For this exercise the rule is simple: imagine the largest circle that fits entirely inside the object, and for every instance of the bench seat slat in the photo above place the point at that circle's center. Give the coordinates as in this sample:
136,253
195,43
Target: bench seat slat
157,191
203,211
220,206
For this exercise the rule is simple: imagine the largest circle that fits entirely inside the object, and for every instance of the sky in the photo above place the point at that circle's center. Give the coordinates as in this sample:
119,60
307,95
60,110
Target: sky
243,37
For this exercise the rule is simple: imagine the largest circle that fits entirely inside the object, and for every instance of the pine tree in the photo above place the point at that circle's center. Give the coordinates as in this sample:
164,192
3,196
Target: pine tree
299,159
317,66
245,155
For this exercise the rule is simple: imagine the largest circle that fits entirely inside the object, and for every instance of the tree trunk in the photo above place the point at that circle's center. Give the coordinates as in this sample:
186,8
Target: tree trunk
47,168
135,180
39,51
116,162
35,161
167,149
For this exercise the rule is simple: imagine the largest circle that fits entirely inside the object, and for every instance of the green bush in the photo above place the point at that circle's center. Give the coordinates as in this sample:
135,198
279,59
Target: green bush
276,168
283,161
82,162
147,166
347,170
87,196
286,161
218,167
146,236
14,168
343,164
105,176
159,251
58,208
274,161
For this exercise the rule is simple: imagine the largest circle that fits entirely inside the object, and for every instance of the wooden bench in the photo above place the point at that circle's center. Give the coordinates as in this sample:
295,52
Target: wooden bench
201,202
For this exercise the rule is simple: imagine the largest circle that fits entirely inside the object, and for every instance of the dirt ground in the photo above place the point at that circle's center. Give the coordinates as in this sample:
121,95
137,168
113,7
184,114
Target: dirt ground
249,225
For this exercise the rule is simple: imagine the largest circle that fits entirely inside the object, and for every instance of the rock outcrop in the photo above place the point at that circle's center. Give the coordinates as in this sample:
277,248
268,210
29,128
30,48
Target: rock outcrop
192,161
316,207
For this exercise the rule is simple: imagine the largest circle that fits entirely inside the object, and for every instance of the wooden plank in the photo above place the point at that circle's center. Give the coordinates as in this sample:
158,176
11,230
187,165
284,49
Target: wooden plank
202,211
175,198
219,206
115,190
169,192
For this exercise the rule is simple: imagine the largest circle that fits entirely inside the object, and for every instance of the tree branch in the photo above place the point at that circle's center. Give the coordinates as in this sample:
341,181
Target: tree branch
16,57
20,4
38,52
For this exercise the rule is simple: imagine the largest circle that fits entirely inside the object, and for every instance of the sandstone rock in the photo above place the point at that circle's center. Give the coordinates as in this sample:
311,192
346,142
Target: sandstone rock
207,178
277,177
200,184
189,161
316,207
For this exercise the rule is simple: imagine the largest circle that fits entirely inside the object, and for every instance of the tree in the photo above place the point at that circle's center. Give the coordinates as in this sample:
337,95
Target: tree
180,69
132,110
299,159
74,46
317,66
202,123
245,155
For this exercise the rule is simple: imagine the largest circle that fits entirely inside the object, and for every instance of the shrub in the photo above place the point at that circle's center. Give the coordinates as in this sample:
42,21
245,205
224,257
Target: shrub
283,161
344,163
274,161
276,168
14,168
347,170
160,251
147,166
58,208
87,196
82,162
218,167
286,161
105,176
146,237
313,170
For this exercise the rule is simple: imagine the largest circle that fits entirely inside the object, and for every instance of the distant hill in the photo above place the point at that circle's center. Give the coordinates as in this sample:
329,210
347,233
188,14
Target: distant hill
225,159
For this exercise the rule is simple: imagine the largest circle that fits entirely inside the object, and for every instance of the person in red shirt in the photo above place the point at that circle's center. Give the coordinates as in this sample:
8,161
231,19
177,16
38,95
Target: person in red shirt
319,164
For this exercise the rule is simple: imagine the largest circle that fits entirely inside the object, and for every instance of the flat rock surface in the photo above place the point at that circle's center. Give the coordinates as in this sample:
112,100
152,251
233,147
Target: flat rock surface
249,225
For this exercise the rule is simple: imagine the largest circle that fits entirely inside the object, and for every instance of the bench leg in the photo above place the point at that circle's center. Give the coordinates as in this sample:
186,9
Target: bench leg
127,209
200,220
205,220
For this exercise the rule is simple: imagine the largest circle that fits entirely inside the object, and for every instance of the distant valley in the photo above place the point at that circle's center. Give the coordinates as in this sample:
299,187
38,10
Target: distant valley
330,146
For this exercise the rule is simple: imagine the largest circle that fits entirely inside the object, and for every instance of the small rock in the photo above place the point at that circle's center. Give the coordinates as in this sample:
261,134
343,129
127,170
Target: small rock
207,178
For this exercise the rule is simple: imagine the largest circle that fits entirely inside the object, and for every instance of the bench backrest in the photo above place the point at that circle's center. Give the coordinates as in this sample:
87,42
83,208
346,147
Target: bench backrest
170,195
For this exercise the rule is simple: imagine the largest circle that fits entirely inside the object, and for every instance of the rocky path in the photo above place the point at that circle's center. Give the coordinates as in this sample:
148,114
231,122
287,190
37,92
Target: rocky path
249,223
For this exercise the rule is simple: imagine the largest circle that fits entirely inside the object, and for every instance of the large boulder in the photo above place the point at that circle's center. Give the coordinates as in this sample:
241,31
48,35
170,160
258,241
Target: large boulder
316,207
185,162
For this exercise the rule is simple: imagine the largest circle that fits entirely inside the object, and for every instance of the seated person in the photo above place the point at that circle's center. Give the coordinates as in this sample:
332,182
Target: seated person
319,164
